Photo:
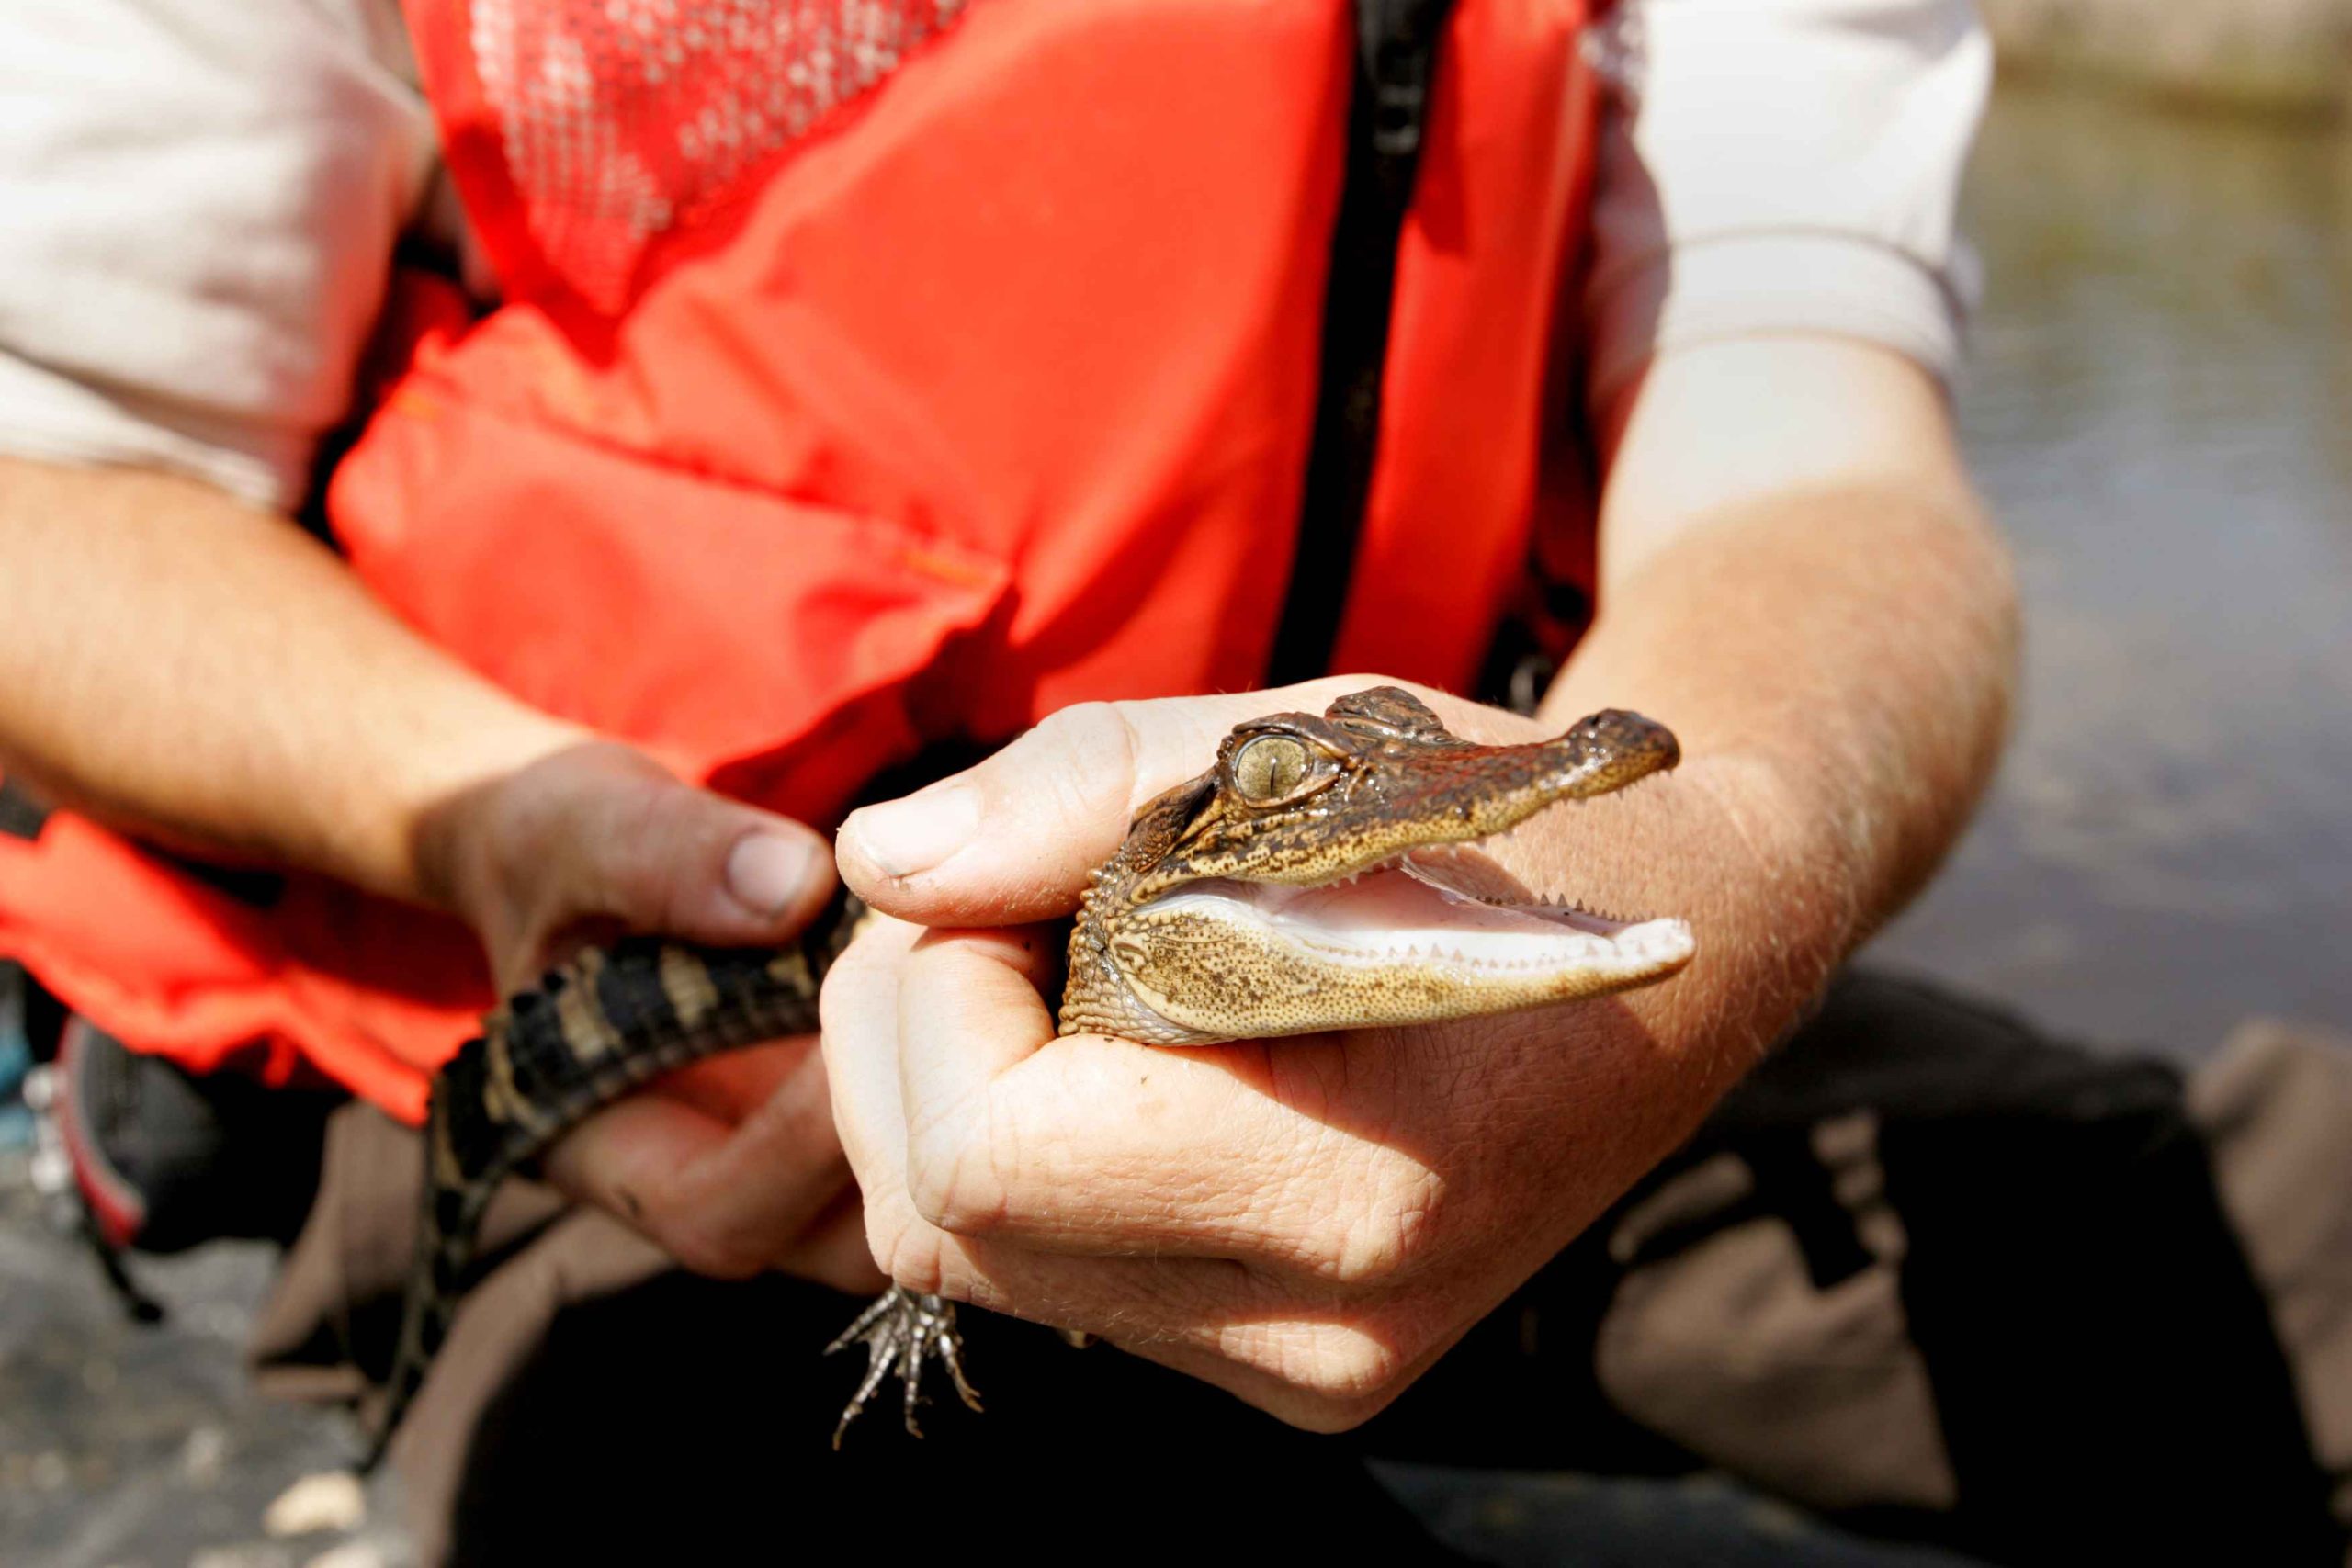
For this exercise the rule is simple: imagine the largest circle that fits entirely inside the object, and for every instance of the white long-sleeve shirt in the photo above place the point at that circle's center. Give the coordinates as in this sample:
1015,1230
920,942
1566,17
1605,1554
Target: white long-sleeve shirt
200,202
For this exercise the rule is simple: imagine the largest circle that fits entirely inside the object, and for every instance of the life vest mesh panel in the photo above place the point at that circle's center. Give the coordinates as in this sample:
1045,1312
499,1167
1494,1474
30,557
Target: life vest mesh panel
623,119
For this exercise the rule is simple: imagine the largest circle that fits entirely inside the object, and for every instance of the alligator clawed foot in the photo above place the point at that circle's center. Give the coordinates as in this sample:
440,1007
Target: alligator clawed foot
902,1332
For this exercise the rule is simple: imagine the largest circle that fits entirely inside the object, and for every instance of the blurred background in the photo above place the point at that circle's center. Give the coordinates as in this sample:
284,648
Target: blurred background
2159,405
2160,408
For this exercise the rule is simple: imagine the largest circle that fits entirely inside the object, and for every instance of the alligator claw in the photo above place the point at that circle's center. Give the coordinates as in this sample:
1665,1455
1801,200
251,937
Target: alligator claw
901,1332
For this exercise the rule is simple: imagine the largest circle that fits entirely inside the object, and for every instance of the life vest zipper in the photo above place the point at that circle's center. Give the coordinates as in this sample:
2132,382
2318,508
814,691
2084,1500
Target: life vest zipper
1396,56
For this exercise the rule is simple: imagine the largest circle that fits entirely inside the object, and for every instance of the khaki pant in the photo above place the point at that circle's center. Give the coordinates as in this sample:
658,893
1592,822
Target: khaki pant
1926,1272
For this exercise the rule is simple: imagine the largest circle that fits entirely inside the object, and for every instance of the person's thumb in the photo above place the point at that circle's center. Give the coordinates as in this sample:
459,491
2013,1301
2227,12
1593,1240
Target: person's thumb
1013,838
666,857
599,839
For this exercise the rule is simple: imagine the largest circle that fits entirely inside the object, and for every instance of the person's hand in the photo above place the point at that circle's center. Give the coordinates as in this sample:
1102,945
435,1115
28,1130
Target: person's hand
730,1165
1307,1222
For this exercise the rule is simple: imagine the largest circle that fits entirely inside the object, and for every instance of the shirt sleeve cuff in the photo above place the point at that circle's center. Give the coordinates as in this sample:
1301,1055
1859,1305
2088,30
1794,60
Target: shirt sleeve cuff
1770,285
55,418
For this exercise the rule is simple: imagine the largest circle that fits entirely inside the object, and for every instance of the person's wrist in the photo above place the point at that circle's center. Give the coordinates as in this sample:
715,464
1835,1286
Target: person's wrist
1726,844
1779,886
1740,845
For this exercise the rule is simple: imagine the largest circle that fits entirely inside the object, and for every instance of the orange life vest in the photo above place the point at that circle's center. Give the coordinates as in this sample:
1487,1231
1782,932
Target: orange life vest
867,375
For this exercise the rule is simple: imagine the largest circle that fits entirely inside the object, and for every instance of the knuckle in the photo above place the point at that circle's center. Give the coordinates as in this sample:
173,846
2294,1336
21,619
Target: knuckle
1354,1365
904,1249
1097,731
1080,724
1391,1236
1345,1372
1102,735
627,867
1353,1219
1328,1417
851,988
1333,1373
950,1180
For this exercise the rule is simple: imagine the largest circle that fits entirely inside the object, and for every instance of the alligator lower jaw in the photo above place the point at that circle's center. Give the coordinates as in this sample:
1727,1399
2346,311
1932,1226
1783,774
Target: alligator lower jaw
1443,910
1425,939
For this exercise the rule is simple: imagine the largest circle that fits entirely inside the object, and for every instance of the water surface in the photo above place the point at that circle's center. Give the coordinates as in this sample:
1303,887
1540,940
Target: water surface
2160,409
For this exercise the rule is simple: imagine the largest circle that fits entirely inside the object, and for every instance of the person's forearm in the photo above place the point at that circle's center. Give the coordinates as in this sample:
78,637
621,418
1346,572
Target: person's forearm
1857,643
181,663
1797,576
1838,667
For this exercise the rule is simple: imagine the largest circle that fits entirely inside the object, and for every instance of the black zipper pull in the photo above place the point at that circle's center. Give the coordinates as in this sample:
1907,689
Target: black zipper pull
1397,40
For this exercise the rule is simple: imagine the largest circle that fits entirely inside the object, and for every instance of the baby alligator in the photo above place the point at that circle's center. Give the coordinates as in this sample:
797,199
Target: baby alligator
1305,883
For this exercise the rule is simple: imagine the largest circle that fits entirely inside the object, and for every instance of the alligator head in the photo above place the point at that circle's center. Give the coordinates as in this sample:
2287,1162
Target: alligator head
1309,882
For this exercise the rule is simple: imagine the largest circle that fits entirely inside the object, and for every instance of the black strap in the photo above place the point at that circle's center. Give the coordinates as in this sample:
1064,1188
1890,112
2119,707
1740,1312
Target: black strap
1387,113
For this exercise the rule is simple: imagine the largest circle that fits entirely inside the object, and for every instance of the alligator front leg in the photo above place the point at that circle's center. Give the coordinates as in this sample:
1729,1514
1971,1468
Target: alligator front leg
902,1331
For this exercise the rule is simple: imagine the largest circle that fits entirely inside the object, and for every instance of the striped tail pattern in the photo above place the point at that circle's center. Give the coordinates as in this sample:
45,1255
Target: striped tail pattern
594,1028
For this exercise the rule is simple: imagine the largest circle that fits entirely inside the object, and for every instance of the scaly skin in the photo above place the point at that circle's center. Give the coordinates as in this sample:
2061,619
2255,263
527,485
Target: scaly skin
1300,802
1246,903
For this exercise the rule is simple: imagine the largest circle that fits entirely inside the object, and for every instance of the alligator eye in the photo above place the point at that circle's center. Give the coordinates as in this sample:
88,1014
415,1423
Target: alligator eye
1272,768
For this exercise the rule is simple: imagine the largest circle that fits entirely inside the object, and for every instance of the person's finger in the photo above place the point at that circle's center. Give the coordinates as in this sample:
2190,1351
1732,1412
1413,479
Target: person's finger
1302,1355
724,1200
751,1198
833,1250
970,1006
860,1009
665,856
1311,1367
1013,838
623,1159
601,838
1314,1359
969,1012
731,1085
1089,1145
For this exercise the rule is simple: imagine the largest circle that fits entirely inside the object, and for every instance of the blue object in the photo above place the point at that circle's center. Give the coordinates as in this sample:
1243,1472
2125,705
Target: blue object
16,1060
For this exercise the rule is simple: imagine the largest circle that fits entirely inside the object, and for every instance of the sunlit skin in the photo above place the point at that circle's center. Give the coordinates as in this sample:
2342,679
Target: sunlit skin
1824,616
1793,568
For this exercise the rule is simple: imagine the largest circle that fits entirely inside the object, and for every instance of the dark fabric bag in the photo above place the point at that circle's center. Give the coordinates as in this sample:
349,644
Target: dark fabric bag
1938,1277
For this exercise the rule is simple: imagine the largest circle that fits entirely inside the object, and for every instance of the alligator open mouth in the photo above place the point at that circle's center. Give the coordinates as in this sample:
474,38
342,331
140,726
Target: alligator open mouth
1429,935
1446,911
1328,875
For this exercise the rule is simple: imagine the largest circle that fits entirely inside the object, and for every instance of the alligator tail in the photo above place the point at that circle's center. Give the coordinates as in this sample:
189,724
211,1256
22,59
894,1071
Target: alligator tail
594,1030
449,1228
